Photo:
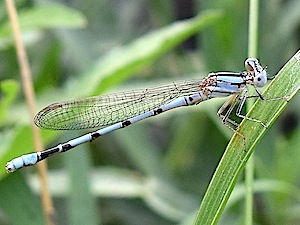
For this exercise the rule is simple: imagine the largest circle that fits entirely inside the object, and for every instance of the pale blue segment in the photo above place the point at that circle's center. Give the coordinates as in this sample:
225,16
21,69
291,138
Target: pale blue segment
142,116
29,159
80,140
231,79
109,128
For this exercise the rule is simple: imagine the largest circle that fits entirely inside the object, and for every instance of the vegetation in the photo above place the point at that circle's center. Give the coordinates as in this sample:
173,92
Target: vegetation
156,171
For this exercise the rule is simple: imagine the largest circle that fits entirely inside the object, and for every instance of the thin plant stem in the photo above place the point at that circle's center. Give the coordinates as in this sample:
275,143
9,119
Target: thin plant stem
30,99
252,52
253,28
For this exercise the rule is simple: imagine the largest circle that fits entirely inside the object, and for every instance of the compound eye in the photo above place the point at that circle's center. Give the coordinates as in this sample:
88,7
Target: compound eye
251,64
260,79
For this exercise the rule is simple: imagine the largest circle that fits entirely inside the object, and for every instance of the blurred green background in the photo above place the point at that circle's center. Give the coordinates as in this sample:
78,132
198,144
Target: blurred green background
156,171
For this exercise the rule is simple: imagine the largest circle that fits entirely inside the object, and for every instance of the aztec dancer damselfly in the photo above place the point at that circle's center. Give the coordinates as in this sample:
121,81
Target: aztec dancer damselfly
119,110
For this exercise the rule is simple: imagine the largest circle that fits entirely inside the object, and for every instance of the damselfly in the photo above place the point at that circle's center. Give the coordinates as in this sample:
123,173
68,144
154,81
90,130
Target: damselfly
119,110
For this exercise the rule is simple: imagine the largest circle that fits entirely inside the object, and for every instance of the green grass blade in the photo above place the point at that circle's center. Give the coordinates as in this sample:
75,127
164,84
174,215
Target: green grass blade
8,92
119,64
18,203
41,17
287,83
81,201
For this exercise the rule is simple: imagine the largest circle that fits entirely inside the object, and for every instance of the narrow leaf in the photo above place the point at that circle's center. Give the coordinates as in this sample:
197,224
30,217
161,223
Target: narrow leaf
287,83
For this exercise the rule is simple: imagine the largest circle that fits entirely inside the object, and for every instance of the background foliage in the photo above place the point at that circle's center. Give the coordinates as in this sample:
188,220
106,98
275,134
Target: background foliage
154,172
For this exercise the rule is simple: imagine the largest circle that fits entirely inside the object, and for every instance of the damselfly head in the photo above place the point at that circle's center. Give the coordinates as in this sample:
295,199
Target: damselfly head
257,71
251,64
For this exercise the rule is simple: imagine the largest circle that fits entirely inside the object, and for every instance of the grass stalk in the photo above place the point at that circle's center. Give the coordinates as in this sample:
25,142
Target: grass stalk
286,85
31,103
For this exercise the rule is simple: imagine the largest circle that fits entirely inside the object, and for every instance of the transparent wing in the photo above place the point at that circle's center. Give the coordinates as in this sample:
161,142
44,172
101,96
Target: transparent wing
104,110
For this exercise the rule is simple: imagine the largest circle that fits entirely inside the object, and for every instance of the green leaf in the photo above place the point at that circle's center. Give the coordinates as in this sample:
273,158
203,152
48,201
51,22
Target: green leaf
119,64
82,203
19,203
45,17
287,83
8,92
